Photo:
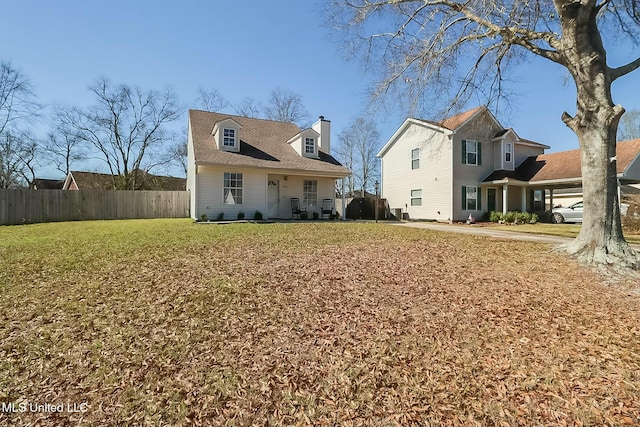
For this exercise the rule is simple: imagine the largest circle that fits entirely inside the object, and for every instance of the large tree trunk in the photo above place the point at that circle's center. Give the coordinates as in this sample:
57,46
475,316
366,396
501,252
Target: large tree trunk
600,241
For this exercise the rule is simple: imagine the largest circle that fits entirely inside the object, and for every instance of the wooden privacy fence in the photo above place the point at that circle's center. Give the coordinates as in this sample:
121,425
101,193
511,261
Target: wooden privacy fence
20,206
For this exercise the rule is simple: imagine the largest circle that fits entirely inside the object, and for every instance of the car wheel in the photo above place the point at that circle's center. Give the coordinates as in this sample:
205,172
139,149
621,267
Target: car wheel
557,218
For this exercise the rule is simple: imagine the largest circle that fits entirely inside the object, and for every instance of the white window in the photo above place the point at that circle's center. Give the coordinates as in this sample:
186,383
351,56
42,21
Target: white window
232,188
309,146
507,152
415,158
229,137
310,192
470,152
416,197
470,198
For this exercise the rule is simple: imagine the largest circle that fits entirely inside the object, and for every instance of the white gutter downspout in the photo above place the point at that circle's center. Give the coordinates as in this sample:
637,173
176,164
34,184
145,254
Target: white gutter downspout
619,195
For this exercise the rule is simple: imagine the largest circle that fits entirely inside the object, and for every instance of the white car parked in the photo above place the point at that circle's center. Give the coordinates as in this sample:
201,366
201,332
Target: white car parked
571,213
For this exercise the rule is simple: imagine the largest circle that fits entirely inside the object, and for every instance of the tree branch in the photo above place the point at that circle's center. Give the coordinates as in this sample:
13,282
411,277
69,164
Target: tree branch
616,73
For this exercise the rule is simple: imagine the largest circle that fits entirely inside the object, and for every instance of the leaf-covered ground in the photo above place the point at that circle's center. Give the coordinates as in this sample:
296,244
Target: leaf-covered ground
167,322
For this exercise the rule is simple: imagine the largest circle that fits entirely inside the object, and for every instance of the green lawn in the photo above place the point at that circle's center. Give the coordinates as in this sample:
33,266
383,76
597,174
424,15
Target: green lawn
168,322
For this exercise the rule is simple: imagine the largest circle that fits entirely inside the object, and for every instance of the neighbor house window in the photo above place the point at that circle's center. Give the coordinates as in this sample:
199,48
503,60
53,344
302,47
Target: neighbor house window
416,197
310,192
471,198
229,137
538,200
470,152
415,158
309,146
507,152
232,188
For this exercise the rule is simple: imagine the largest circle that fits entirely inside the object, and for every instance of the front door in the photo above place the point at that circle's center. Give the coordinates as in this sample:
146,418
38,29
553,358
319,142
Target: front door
491,199
273,198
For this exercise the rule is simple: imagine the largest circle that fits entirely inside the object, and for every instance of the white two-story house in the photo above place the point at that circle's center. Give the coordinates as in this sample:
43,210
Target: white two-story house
439,170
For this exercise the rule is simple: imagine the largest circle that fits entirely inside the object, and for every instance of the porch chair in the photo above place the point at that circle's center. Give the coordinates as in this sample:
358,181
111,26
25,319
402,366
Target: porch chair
295,208
327,208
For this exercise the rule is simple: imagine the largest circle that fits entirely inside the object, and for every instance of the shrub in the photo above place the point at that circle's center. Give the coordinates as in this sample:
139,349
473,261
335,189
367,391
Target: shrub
316,215
495,216
514,217
257,216
241,215
509,217
220,216
303,215
203,217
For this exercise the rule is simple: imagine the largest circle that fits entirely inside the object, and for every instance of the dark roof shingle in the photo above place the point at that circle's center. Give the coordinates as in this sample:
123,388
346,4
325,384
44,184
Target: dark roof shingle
563,164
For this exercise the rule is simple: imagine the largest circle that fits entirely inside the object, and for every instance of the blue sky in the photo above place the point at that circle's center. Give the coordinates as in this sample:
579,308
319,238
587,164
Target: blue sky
242,48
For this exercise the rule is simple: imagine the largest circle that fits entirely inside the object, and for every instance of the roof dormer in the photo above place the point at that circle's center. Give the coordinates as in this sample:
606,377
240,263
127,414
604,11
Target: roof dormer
306,143
226,134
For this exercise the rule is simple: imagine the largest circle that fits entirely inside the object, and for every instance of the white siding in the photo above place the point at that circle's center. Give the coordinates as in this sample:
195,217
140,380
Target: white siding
293,186
633,170
433,176
210,189
524,151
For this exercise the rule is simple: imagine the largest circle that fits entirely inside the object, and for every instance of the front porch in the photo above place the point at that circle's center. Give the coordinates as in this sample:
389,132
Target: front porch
309,190
512,195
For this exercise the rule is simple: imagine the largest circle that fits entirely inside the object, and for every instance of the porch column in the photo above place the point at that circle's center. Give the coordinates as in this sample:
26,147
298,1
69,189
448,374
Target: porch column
551,198
523,192
505,198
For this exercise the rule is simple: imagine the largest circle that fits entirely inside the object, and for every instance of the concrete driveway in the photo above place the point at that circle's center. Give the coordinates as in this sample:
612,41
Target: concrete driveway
487,231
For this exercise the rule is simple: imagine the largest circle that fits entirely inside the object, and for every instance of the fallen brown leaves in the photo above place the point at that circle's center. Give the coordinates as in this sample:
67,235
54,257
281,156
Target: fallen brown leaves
336,324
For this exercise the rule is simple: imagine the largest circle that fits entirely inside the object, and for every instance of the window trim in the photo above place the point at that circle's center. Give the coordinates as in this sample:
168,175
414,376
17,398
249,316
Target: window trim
508,152
309,143
309,188
235,191
229,140
466,199
477,145
416,195
415,159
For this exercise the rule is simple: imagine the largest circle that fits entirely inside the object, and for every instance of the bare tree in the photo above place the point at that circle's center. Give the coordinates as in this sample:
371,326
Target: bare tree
449,50
346,153
64,146
127,127
211,100
177,155
629,125
286,106
18,109
18,159
248,107
357,149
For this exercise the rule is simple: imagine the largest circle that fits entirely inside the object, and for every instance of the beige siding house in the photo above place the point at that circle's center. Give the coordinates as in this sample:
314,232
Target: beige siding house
436,170
239,164
469,164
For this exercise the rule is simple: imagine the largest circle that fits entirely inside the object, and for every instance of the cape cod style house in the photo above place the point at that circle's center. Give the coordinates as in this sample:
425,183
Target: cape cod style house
470,164
240,164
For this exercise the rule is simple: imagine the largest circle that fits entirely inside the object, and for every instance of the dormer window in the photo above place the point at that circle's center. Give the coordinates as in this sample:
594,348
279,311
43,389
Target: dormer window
310,146
226,134
306,143
229,137
507,152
